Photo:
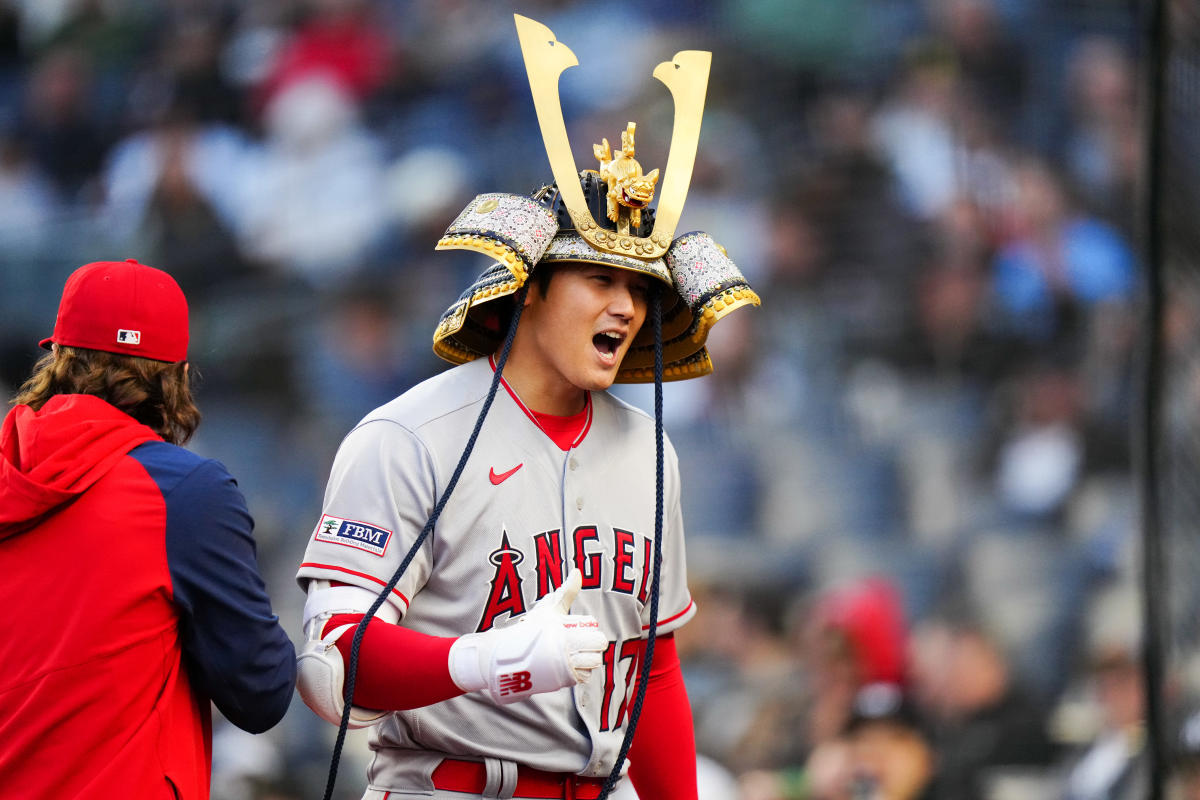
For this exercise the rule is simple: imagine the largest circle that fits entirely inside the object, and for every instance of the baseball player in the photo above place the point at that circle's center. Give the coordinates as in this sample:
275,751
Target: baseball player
129,566
504,661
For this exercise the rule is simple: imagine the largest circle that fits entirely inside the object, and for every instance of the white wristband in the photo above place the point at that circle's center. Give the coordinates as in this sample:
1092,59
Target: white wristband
465,668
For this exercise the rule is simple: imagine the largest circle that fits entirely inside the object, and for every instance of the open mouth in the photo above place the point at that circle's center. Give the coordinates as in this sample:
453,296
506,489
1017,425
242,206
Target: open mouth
607,344
633,202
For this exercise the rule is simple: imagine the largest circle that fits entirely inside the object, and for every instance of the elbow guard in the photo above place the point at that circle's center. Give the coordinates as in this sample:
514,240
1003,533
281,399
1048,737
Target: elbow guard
320,669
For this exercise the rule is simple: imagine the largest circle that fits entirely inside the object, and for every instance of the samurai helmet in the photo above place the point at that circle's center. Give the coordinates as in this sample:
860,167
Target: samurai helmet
599,216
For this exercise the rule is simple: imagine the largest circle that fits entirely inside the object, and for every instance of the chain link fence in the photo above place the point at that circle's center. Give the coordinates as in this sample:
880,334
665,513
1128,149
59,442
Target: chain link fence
1172,449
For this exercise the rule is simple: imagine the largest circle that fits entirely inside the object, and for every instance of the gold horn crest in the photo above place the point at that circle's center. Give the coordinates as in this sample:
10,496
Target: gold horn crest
686,75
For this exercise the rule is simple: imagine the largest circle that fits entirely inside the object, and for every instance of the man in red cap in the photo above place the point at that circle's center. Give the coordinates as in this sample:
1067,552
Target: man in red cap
130,580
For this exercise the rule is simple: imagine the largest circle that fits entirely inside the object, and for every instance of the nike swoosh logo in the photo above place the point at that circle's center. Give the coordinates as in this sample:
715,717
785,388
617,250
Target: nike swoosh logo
503,476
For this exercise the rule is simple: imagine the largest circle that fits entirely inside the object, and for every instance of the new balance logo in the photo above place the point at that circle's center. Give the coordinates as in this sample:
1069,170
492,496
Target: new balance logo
515,683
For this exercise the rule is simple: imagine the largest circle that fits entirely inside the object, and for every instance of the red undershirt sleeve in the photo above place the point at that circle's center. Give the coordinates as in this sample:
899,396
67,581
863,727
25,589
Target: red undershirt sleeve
398,668
662,759
401,669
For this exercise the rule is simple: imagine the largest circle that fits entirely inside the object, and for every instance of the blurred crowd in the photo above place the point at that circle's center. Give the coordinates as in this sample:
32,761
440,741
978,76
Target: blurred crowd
907,486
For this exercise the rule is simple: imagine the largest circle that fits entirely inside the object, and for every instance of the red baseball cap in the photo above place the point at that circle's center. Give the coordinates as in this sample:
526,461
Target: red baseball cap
123,307
870,614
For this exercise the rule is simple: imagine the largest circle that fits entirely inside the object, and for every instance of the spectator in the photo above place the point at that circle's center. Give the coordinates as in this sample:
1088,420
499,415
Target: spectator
27,195
1040,459
1102,146
915,131
165,195
310,199
751,710
188,74
855,637
340,39
1058,263
1113,765
891,753
990,58
982,718
59,128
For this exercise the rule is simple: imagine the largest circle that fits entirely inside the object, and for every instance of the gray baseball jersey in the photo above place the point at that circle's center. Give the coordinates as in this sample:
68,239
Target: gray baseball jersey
523,512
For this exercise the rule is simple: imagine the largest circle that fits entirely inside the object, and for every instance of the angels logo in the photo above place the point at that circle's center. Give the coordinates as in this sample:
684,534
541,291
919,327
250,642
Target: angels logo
607,560
505,596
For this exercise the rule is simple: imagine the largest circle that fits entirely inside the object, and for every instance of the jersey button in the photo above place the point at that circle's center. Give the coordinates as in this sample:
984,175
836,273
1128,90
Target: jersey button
579,504
573,464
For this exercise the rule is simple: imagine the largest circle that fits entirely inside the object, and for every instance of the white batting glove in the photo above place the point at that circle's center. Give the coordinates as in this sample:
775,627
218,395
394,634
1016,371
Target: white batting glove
545,650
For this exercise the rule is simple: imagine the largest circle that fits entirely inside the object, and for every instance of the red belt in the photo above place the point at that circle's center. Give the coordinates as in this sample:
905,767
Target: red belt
455,775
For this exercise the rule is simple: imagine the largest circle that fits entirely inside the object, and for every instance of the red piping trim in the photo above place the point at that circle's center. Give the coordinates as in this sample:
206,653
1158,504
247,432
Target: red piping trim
673,618
587,425
372,578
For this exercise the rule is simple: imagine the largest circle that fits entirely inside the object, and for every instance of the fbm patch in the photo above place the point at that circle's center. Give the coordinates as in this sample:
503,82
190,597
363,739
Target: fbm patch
353,533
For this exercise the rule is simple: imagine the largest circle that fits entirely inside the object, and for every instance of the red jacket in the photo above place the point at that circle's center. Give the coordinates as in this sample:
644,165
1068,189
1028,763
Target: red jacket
131,598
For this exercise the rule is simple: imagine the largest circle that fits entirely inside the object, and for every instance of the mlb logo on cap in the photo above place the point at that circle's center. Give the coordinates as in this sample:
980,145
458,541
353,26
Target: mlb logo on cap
123,307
